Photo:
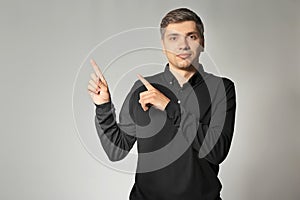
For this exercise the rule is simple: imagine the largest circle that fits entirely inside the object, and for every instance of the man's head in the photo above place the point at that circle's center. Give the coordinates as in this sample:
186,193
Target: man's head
181,15
182,34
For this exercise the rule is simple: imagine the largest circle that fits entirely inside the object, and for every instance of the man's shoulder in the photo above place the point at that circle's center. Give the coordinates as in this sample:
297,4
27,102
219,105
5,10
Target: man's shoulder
153,79
210,77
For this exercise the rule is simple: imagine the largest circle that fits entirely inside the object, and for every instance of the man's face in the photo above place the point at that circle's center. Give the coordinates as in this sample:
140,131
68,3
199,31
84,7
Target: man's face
182,44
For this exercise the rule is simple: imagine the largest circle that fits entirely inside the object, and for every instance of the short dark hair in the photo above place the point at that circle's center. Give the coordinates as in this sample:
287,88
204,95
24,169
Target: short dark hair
180,15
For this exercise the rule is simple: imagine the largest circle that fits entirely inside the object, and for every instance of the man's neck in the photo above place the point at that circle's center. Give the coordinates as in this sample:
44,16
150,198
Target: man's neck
183,75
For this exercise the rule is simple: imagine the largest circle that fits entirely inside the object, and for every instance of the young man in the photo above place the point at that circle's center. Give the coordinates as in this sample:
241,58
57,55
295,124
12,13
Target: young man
195,112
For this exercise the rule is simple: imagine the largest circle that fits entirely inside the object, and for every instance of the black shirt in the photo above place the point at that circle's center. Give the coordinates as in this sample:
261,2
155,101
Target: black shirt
180,149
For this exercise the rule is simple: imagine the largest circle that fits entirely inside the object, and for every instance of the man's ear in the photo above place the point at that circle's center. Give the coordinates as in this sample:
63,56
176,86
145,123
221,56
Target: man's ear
202,42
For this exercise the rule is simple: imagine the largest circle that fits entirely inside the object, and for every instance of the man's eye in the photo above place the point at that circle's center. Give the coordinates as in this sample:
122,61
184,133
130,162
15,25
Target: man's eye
193,37
173,38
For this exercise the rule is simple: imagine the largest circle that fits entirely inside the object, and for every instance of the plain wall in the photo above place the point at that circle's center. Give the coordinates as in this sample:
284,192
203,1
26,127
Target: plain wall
44,43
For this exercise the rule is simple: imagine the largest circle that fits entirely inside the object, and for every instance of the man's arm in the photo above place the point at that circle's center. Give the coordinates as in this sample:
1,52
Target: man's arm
212,141
116,139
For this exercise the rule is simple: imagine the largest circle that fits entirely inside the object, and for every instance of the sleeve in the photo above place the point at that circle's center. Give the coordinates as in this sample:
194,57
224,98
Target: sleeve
117,139
212,141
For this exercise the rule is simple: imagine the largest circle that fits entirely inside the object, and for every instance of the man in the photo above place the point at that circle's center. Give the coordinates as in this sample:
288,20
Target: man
197,111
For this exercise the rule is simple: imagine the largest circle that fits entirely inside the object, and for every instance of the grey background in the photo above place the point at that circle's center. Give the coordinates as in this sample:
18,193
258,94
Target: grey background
43,43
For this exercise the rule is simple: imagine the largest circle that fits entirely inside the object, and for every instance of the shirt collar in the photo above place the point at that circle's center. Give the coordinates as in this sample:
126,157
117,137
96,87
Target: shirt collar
196,79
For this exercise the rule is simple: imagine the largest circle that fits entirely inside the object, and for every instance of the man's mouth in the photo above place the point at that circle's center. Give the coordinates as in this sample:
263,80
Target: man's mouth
184,55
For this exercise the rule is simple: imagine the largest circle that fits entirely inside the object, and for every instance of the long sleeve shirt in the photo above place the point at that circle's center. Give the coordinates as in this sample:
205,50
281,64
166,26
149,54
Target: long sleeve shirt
179,149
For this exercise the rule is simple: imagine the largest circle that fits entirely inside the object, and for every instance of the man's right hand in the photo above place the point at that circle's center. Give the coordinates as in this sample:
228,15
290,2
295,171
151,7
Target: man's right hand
97,87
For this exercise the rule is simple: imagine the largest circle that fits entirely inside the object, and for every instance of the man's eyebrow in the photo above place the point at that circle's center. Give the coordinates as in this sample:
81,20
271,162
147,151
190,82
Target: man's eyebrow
187,34
191,33
173,34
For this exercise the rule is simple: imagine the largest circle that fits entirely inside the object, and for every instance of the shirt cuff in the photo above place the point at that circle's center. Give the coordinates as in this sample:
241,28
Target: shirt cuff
173,111
105,107
103,110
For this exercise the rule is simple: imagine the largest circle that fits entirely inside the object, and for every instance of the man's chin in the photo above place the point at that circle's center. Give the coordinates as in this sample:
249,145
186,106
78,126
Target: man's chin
184,64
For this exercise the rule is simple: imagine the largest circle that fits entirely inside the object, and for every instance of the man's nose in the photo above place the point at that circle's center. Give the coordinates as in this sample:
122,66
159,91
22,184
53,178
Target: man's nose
183,44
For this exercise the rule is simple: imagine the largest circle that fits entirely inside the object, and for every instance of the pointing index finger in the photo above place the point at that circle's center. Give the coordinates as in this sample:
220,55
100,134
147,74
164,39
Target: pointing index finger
97,69
145,82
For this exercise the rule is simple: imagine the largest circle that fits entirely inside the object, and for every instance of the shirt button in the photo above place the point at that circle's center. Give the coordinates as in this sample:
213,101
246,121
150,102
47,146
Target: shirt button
178,101
170,82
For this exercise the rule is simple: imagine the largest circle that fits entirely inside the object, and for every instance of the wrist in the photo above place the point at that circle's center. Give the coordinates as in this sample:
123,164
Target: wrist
166,104
102,104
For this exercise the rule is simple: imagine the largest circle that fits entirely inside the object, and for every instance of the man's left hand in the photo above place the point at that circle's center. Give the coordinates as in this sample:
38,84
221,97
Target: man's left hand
152,96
